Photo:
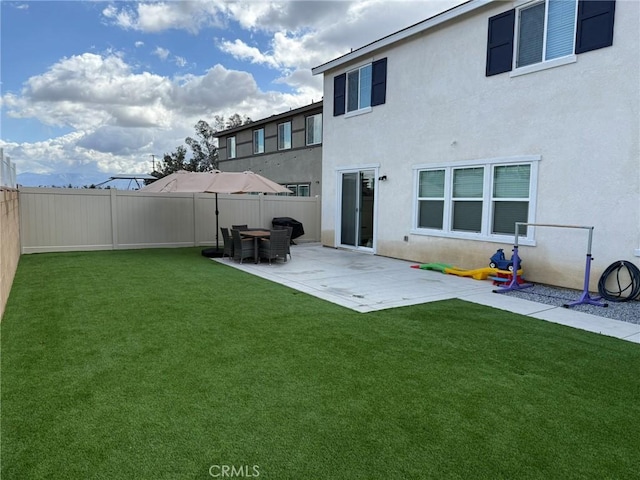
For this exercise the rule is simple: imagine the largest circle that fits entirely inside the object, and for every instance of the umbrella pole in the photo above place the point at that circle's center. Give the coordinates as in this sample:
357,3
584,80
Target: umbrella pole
215,251
217,229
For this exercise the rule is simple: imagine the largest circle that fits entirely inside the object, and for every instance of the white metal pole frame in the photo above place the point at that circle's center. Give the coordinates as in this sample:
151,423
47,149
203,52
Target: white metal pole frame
585,298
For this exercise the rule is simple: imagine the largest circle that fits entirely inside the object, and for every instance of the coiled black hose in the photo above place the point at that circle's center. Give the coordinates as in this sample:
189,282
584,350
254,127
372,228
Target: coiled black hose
627,281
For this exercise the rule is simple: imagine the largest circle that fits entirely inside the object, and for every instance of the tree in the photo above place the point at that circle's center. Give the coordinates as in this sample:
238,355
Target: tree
233,121
172,162
236,120
204,148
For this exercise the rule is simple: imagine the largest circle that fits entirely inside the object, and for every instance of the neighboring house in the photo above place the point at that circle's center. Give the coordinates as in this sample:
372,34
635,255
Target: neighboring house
439,137
286,148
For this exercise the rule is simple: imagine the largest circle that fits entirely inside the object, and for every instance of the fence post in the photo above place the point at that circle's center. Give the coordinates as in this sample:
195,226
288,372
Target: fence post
13,177
114,217
1,167
8,176
261,209
196,231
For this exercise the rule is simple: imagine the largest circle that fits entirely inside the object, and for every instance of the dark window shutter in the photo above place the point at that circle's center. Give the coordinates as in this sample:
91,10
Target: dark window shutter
379,82
339,94
500,43
595,25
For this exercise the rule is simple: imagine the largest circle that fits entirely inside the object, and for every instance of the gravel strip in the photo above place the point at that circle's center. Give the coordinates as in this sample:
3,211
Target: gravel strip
624,311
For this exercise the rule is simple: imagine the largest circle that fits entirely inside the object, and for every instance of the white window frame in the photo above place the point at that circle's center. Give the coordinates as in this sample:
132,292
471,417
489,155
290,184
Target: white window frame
543,64
360,109
317,119
450,179
297,187
231,147
487,199
284,140
258,141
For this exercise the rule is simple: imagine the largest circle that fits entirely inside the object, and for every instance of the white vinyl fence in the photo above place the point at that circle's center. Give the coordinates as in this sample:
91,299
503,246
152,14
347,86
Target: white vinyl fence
7,171
62,219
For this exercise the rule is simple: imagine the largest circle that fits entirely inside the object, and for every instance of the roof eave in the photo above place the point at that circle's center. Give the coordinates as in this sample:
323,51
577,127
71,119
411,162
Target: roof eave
272,118
402,34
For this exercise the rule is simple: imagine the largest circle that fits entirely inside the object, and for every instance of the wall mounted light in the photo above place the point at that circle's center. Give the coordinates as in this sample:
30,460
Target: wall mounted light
383,178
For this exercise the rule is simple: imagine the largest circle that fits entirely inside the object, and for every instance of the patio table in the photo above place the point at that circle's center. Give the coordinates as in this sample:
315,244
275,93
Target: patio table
256,235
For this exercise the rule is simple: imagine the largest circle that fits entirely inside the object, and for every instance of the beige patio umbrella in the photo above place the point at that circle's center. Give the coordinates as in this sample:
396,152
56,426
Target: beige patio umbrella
215,182
181,182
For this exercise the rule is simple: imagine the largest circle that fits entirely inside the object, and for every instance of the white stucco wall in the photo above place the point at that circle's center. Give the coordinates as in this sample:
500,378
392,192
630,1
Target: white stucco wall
582,119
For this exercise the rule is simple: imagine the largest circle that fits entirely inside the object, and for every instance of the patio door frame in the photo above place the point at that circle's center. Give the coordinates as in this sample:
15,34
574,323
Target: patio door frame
338,227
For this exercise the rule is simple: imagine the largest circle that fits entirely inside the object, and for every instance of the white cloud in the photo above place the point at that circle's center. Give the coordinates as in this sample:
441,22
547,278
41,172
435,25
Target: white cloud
161,53
153,17
122,114
303,34
307,34
123,18
164,54
240,50
56,154
90,90
117,140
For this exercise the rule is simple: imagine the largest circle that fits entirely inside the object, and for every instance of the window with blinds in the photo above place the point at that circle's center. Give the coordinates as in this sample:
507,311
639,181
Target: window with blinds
359,88
467,199
510,197
476,201
546,30
541,31
431,199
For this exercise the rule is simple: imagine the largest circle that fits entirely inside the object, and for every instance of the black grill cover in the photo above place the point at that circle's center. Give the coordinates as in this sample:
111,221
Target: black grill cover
298,230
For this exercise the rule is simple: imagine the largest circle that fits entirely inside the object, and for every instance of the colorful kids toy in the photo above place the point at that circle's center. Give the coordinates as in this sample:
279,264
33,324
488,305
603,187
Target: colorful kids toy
499,261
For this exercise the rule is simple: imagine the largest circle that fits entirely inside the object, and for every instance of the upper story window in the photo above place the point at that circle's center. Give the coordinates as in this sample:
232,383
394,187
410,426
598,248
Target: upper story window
545,33
360,89
314,129
231,147
546,30
482,201
284,135
258,141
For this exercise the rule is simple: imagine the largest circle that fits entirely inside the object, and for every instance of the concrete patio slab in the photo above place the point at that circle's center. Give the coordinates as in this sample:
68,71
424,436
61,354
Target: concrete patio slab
366,283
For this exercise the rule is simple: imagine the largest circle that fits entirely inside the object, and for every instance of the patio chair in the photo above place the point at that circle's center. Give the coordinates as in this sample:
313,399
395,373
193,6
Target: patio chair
290,232
228,243
240,227
276,246
289,241
242,247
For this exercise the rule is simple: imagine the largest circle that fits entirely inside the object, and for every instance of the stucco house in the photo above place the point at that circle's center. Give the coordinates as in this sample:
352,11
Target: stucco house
286,148
441,136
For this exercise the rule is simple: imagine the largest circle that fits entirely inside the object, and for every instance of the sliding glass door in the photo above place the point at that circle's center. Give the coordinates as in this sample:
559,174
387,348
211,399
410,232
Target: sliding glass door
357,209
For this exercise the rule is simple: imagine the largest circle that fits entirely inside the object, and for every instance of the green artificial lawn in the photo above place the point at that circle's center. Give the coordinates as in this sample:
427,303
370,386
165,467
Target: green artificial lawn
161,364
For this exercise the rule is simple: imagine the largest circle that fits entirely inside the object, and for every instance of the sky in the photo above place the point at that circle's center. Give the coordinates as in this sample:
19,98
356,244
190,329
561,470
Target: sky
91,87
